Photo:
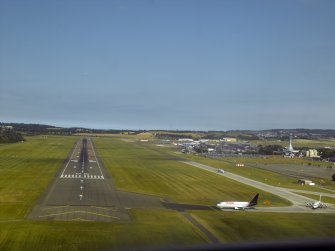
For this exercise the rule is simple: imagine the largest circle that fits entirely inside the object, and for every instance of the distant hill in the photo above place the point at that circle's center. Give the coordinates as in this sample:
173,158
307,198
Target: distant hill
37,129
283,134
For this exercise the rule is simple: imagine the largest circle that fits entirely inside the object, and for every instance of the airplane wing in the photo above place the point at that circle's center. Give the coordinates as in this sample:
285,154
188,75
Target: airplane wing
323,205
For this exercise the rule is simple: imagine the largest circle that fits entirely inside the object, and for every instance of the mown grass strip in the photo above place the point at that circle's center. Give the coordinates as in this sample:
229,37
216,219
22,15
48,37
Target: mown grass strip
149,228
137,168
26,169
247,226
252,172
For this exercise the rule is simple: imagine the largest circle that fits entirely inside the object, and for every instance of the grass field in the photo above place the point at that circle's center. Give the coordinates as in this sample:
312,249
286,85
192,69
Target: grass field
25,171
143,231
136,168
250,171
268,177
27,168
244,226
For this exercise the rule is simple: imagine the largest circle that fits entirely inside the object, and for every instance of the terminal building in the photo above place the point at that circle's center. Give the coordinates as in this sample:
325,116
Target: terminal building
312,153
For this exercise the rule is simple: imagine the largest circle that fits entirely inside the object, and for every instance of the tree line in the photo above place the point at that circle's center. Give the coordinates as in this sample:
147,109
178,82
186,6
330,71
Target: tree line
10,136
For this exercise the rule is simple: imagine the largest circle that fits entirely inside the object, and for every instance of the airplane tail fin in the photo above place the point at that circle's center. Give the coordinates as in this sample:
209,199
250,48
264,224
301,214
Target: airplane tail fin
253,202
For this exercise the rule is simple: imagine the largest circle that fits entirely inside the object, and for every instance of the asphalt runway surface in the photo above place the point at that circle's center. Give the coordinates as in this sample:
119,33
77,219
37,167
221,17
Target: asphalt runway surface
81,191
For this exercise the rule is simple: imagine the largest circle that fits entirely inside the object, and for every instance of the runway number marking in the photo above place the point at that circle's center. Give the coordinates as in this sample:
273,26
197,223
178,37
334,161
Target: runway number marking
95,157
81,175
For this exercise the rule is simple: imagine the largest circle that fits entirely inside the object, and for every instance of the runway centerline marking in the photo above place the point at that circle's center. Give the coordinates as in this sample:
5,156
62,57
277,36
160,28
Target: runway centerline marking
95,157
72,198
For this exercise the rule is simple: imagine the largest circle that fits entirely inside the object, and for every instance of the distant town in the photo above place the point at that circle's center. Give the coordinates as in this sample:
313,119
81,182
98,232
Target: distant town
215,144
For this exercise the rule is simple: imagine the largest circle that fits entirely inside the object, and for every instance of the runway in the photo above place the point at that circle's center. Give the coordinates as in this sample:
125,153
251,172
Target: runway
82,190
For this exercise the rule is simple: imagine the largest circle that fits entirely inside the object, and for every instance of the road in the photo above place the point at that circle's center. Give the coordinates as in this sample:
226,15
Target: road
298,201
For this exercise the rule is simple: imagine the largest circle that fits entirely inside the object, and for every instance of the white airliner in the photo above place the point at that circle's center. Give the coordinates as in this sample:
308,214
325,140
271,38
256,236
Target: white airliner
238,205
316,204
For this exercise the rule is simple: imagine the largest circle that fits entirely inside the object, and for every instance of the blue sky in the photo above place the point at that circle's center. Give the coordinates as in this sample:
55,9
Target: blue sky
198,65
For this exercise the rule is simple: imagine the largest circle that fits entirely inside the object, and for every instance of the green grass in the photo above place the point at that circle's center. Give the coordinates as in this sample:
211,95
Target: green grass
325,199
148,229
250,171
250,226
276,159
26,169
265,176
137,168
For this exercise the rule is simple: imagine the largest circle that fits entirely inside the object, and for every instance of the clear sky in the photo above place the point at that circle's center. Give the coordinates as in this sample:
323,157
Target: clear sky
186,64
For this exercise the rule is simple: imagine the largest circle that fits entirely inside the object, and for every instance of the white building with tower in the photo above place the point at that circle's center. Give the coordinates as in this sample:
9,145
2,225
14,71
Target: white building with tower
289,151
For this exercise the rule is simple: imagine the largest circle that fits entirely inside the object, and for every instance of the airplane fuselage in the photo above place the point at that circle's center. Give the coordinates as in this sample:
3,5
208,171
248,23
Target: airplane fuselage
237,205
317,204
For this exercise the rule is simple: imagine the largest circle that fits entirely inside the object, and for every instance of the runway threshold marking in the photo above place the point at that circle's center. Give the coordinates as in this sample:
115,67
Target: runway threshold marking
87,176
79,176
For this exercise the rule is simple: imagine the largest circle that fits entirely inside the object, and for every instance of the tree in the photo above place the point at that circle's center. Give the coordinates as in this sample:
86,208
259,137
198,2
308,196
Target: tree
10,136
269,149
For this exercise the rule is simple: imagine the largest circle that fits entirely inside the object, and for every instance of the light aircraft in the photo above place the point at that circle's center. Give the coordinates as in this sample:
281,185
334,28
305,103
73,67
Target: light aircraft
316,204
238,205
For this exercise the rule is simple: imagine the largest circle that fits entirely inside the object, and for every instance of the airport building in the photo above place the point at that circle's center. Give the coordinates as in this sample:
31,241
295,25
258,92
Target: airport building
233,140
312,153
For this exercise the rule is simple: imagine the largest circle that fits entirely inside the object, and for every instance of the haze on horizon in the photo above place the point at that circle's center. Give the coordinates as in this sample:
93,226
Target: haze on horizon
195,65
